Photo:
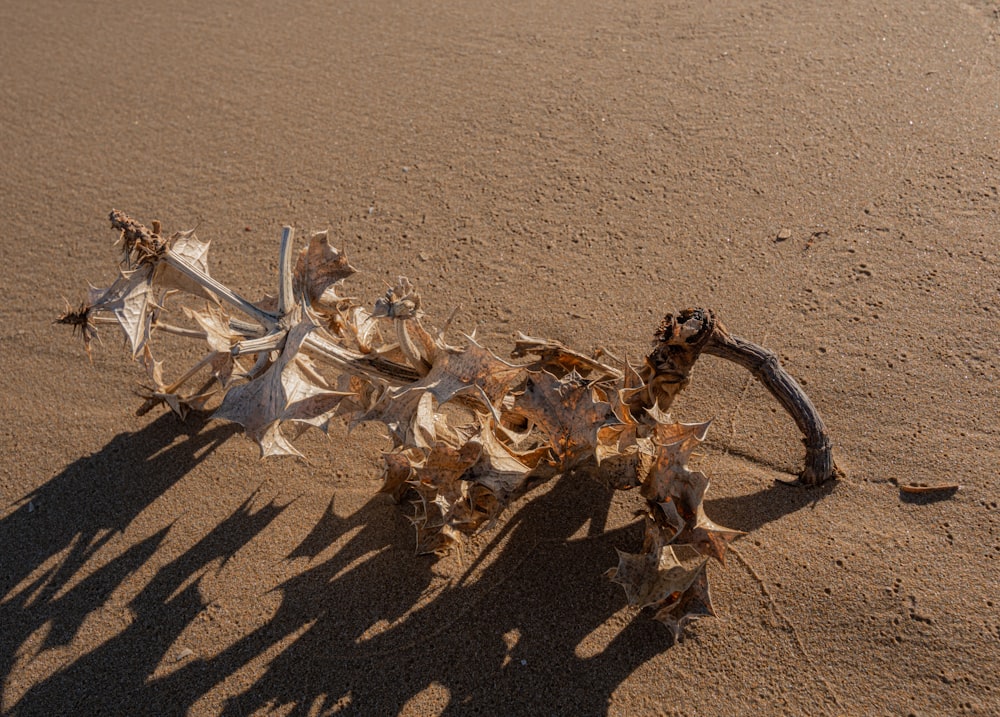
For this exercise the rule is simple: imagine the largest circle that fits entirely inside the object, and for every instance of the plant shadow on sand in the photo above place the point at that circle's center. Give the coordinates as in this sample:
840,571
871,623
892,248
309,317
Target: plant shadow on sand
62,525
357,632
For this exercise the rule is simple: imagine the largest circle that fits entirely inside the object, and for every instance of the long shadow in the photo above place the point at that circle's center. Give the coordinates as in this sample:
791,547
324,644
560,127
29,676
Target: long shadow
545,589
60,526
504,643
750,512
357,632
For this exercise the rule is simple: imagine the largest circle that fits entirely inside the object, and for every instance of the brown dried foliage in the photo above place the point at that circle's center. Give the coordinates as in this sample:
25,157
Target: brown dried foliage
323,355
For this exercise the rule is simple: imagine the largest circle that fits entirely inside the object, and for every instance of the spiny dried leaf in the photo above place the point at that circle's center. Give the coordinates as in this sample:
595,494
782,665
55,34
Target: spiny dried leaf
623,458
670,480
566,413
360,396
319,268
668,519
707,537
439,479
669,476
310,401
131,301
169,395
616,440
154,368
693,604
658,577
396,474
192,250
499,469
475,365
408,413
220,337
444,465
671,579
363,327
560,360
282,393
215,323
472,372
433,536
685,435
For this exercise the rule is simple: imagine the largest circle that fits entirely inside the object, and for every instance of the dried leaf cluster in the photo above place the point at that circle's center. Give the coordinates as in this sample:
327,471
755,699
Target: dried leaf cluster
471,432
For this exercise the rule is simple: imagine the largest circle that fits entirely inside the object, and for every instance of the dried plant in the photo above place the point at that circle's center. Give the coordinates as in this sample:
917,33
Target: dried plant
471,432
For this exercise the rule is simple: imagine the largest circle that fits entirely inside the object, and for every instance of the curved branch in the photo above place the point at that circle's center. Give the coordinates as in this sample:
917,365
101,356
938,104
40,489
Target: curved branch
764,365
681,339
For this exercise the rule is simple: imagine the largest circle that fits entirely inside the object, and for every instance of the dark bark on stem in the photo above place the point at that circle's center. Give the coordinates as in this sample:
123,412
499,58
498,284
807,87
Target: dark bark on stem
679,342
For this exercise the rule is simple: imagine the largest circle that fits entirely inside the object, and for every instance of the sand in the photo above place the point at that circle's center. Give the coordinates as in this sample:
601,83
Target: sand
824,178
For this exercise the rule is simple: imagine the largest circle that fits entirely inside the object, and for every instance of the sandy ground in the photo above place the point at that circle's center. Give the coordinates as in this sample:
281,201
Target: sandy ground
571,169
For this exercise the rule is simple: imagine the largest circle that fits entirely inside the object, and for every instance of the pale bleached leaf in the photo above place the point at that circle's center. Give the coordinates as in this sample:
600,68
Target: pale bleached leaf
282,393
170,395
320,267
498,468
220,337
405,413
472,372
131,301
194,251
215,323
363,327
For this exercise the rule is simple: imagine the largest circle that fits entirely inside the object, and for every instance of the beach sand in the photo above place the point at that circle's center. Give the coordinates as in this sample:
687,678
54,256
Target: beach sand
824,178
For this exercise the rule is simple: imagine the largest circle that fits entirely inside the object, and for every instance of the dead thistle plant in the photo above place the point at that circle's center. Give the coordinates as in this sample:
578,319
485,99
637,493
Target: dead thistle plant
471,432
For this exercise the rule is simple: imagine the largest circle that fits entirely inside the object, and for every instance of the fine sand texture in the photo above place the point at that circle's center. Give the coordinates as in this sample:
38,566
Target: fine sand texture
823,176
